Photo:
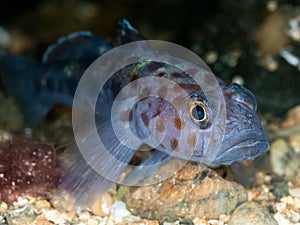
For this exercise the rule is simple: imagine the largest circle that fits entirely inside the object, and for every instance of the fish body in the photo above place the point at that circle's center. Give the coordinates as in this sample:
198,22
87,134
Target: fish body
186,121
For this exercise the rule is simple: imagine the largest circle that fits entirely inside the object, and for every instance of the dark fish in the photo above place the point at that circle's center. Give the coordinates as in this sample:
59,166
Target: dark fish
37,86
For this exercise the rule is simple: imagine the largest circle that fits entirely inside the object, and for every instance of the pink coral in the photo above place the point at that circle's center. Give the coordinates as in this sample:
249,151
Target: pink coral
27,168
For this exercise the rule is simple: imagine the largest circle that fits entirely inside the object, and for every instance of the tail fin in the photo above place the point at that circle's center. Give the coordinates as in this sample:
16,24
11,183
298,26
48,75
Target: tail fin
38,86
18,77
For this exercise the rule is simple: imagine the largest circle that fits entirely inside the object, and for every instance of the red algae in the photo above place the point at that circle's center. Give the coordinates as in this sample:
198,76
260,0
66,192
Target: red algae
27,168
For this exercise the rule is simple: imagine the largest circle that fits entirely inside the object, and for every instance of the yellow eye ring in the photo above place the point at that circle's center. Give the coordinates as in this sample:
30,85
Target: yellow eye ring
198,113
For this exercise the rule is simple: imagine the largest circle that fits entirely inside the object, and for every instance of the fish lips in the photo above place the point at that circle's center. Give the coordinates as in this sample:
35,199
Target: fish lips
244,146
244,137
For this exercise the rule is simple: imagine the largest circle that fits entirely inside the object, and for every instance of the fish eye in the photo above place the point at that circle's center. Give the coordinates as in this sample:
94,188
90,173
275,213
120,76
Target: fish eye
198,111
198,114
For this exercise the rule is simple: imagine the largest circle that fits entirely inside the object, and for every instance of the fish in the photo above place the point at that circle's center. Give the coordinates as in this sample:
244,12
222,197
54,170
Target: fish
186,121
37,86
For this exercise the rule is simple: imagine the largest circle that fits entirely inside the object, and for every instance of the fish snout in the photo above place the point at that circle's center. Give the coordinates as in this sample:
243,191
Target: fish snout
244,137
244,146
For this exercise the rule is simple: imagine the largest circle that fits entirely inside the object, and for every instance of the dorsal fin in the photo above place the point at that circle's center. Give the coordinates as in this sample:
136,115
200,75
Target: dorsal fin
76,45
127,33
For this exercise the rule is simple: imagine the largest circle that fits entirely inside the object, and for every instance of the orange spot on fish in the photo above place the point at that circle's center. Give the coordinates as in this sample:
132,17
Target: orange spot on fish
178,123
230,94
191,87
174,143
247,102
145,119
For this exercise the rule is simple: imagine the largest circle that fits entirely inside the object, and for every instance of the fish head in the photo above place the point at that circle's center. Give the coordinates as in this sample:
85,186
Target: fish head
244,137
181,120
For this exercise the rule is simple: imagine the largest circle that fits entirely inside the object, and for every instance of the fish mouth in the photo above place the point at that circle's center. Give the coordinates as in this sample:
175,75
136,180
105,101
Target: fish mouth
245,146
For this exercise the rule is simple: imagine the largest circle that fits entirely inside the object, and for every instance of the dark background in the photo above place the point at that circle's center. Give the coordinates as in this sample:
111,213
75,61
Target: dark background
202,26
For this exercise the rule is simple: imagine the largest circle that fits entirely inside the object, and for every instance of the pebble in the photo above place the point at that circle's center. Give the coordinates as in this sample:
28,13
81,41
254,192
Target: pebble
294,216
294,31
119,211
280,207
279,187
2,220
295,192
102,205
56,216
294,141
269,63
280,219
238,79
272,5
22,201
4,136
144,222
200,221
192,192
42,221
293,118
270,36
211,57
42,204
3,207
284,160
84,215
92,221
289,200
251,213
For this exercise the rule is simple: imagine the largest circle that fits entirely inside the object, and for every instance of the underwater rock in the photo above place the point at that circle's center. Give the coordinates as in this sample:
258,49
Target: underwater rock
279,187
271,37
284,160
192,192
294,141
290,127
285,149
251,213
27,168
102,205
292,118
34,212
